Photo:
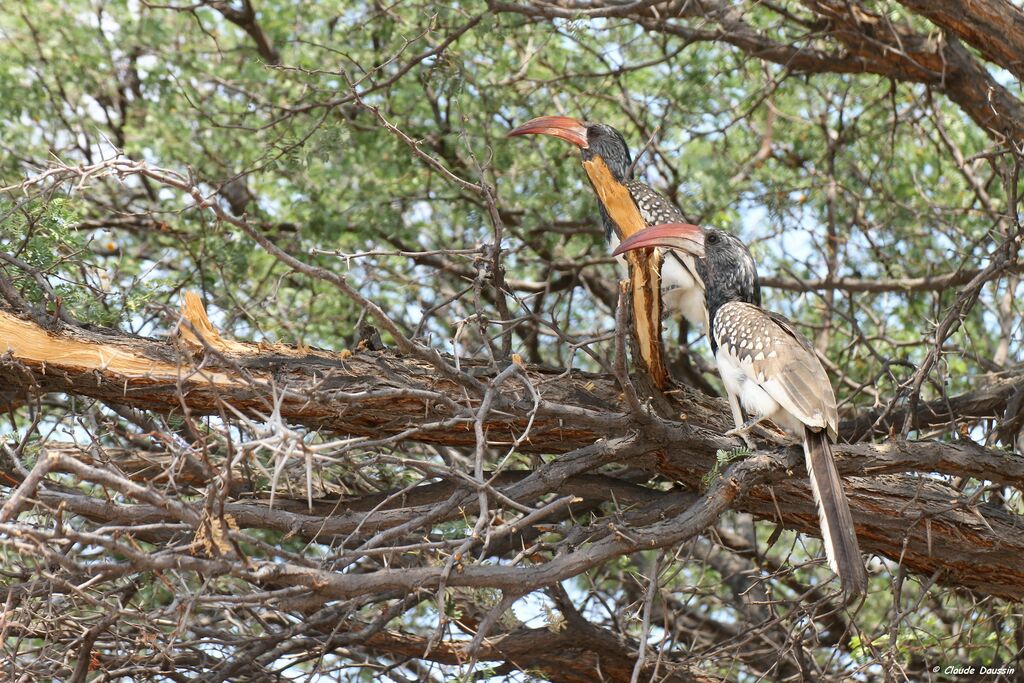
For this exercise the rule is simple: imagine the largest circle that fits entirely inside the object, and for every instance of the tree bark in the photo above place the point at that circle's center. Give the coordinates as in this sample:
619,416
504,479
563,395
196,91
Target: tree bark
922,522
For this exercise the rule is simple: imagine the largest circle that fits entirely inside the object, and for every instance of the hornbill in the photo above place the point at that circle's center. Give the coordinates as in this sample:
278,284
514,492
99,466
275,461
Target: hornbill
681,288
771,370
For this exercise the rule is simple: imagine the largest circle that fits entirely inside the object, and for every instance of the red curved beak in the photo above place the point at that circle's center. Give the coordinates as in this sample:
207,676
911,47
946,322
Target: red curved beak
564,127
680,236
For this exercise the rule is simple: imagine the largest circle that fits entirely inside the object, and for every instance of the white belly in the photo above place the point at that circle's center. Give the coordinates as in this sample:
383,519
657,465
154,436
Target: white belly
752,397
681,291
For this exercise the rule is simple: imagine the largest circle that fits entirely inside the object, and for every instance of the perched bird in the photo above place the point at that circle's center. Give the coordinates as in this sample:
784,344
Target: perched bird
769,370
681,288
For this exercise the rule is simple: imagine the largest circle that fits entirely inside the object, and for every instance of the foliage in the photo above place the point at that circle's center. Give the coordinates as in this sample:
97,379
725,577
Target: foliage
357,139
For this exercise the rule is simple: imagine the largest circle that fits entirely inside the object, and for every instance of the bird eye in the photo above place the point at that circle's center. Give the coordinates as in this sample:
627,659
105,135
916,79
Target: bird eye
713,238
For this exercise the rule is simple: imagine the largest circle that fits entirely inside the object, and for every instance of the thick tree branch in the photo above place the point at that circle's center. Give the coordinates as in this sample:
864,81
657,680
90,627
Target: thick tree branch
381,396
872,44
994,27
987,401
574,654
245,19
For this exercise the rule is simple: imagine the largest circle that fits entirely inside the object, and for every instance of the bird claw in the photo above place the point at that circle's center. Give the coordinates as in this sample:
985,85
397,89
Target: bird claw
772,434
743,432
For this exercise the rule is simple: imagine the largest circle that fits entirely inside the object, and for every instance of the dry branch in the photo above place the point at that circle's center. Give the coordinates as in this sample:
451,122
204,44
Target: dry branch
858,41
923,522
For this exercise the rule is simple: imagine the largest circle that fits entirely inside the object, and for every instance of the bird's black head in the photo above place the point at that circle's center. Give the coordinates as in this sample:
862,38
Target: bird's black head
593,139
723,262
606,142
728,271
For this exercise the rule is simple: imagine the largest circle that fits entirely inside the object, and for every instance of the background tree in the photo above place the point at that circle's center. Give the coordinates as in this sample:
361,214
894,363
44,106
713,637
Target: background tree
464,481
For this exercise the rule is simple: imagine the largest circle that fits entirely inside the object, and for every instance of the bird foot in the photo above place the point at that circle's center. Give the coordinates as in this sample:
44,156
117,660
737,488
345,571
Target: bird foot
771,433
743,432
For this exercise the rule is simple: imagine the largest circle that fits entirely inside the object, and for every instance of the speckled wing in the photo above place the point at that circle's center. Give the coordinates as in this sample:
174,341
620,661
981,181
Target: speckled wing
679,272
654,207
781,360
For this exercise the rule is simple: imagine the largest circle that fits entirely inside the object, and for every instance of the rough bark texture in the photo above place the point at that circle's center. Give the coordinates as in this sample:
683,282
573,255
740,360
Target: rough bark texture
229,509
923,523
994,27
849,38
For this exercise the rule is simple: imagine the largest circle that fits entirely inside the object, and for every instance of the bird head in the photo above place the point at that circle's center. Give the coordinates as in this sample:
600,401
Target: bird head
593,139
723,261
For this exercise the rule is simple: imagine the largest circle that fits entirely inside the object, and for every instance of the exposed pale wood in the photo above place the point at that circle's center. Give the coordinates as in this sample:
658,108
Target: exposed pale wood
928,525
37,348
194,313
644,268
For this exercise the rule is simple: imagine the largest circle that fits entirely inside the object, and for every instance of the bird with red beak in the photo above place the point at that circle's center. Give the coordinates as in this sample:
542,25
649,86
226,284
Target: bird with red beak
771,371
681,289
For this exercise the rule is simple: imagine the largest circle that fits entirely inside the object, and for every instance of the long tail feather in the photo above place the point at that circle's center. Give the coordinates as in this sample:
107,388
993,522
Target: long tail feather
837,530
